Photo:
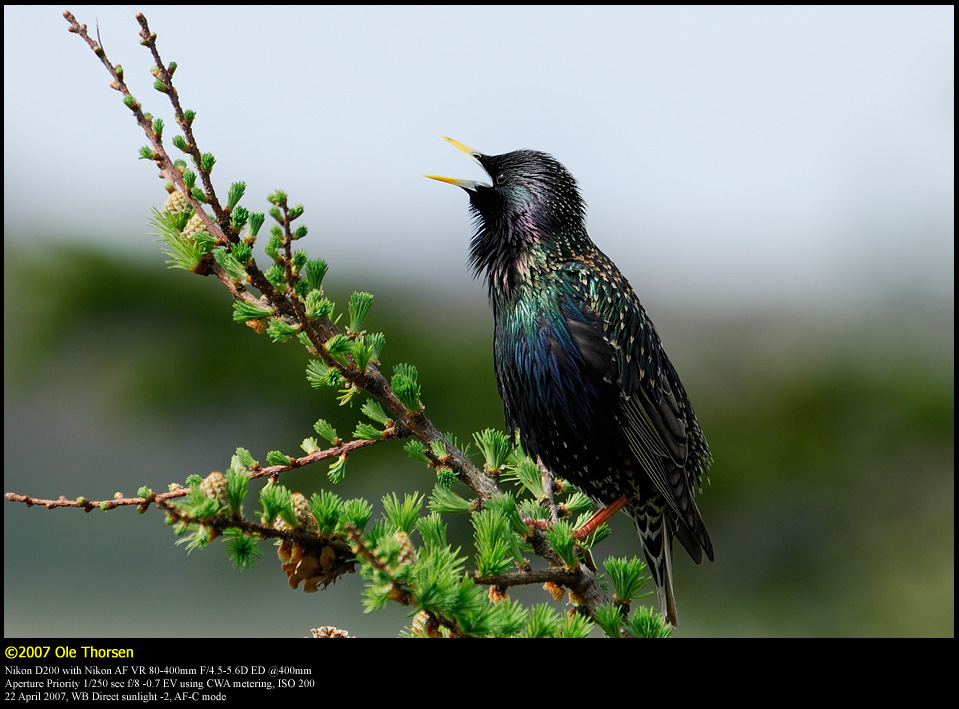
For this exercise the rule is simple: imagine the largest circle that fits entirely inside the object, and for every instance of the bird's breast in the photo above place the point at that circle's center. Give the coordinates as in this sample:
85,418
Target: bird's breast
541,373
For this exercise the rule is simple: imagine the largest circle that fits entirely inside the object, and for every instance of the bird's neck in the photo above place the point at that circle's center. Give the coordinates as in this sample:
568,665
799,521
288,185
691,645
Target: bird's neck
519,267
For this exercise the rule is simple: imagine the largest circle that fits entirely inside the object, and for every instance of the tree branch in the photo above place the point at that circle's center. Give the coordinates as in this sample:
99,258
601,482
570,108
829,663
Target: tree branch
305,552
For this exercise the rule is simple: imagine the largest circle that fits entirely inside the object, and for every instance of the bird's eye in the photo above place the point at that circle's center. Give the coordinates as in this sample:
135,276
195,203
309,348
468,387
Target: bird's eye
501,179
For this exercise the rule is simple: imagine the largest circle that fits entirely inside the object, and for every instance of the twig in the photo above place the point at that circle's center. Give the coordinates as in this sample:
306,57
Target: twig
581,581
257,472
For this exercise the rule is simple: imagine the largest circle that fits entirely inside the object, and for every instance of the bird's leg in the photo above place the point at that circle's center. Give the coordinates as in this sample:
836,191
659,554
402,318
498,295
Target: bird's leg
547,478
592,524
600,517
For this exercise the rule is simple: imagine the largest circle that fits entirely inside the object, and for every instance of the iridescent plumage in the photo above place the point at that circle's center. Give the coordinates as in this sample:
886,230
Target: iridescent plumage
581,370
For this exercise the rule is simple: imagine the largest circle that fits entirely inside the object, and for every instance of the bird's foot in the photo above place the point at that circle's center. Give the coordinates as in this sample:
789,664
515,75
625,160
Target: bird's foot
591,525
540,524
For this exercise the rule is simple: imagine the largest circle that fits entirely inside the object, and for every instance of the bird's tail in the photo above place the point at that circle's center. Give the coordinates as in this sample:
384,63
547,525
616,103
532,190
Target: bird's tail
656,534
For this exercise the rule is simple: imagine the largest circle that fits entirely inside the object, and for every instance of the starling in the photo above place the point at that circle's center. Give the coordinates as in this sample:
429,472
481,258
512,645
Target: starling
581,370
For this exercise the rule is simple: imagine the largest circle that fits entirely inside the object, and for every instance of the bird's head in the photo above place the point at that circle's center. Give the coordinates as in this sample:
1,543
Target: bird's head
529,190
532,200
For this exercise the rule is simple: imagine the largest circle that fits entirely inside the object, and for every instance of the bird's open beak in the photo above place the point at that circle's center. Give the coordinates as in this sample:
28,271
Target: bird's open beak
468,185
475,154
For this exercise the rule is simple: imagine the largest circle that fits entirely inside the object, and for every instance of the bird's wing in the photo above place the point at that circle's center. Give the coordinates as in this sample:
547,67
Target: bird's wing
624,349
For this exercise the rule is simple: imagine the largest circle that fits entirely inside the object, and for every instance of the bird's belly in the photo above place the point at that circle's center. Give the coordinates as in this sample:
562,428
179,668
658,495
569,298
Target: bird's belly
565,417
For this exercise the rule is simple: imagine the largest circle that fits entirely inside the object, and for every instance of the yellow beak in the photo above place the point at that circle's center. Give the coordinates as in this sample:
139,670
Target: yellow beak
465,148
469,185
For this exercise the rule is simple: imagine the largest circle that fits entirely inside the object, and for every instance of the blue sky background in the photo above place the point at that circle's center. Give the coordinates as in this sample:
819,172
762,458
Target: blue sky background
730,156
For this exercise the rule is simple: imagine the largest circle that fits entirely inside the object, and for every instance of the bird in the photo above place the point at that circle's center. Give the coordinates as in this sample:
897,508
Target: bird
581,370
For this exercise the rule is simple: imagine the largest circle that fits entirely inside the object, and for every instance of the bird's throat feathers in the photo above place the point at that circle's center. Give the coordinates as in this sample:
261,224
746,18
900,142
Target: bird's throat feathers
510,248
501,252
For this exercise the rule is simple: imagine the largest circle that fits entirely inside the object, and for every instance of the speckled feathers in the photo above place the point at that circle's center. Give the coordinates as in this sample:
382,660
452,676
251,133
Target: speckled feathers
580,368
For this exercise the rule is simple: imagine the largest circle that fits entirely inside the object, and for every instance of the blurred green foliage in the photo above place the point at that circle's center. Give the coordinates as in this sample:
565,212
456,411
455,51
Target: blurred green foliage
832,495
